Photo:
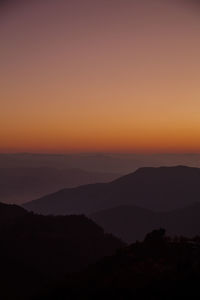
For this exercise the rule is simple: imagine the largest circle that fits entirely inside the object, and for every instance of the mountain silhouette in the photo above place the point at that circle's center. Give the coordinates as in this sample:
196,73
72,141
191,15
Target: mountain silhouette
131,223
128,221
10,212
19,184
157,268
70,257
162,188
36,249
119,163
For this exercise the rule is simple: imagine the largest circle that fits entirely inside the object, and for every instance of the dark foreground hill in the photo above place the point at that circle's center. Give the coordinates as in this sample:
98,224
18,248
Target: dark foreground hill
158,268
161,188
10,212
67,258
19,184
36,250
131,223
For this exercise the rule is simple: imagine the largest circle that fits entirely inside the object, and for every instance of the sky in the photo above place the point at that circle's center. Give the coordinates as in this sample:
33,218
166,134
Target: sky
100,76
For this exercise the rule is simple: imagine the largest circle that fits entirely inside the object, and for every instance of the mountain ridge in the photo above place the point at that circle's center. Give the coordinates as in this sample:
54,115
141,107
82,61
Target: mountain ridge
131,223
19,184
158,189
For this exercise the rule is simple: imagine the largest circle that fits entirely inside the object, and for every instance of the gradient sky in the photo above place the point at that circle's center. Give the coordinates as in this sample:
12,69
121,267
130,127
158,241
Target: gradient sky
100,75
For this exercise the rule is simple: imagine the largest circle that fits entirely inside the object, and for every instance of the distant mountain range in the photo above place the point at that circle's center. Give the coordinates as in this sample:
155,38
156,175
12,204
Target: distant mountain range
57,257
97,162
19,184
158,189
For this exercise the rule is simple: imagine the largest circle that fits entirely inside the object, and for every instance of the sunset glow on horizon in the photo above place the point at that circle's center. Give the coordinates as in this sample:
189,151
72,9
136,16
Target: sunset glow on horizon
100,76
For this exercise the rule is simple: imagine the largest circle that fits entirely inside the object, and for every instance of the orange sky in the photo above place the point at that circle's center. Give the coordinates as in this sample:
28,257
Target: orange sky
100,76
